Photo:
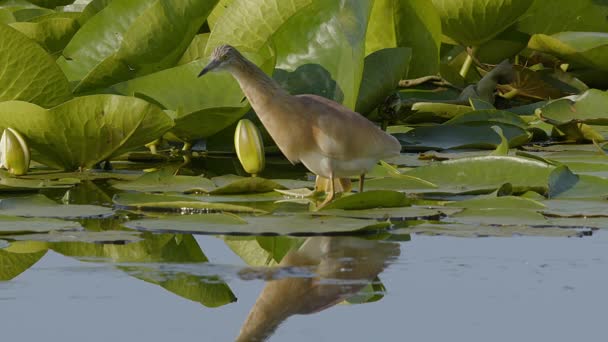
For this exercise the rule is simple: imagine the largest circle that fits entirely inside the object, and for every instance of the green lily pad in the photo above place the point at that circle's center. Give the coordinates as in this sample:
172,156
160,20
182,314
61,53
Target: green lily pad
505,202
13,225
131,39
474,22
427,111
470,135
196,49
398,183
580,207
8,183
53,34
488,115
95,128
381,74
414,24
393,214
290,26
591,107
33,75
499,217
582,48
51,3
468,230
41,206
164,180
370,199
104,237
184,204
586,186
486,174
551,16
225,224
231,184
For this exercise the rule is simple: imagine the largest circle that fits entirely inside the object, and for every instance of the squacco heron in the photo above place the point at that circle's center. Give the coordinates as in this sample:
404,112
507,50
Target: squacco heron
331,140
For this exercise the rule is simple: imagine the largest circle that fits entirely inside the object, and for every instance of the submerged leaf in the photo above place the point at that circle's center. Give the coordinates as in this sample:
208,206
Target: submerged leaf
41,206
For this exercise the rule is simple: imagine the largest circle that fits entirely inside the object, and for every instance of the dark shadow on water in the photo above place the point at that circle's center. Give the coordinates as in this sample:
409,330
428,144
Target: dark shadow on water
321,273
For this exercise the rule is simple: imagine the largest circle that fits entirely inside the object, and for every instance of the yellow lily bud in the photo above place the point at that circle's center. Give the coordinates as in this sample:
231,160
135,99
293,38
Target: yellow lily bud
249,147
14,152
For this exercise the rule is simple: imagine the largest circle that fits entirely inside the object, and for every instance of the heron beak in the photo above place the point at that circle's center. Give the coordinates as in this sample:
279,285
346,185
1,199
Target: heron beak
212,65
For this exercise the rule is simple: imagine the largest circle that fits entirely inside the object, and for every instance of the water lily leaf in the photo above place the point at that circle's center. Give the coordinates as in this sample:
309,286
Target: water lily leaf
231,184
183,204
489,115
53,34
583,48
95,128
503,148
381,74
41,206
9,183
471,135
438,110
414,24
22,10
196,49
260,225
486,173
13,264
106,237
13,225
370,199
164,180
289,26
560,180
474,22
142,259
504,202
51,3
505,45
579,207
550,16
73,178
33,75
468,230
131,39
499,216
591,107
586,186
394,214
397,183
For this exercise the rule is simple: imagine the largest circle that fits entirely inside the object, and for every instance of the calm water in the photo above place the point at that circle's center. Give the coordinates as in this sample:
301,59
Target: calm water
437,289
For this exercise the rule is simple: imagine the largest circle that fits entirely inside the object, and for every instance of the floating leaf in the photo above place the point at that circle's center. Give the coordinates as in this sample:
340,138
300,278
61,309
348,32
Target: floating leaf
504,202
53,34
370,199
196,50
33,75
393,214
452,136
95,128
550,16
13,264
13,224
591,107
147,202
486,173
580,207
41,206
259,225
503,148
164,180
108,236
468,230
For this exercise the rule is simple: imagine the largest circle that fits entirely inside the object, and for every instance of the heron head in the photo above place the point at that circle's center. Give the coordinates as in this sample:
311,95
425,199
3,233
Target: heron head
221,57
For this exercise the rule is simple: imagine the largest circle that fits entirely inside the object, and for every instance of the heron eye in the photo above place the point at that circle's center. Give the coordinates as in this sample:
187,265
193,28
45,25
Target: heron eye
223,57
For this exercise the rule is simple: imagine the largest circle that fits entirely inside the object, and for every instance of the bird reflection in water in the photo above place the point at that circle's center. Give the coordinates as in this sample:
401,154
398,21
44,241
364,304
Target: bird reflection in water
341,267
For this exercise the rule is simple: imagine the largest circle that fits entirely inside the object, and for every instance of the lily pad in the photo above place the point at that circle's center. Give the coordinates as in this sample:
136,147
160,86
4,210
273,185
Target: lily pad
184,204
551,16
231,184
393,214
486,174
582,48
164,180
53,34
397,183
95,128
455,136
14,224
414,24
104,237
130,39
468,230
13,264
225,224
41,206
505,202
381,74
8,183
474,22
370,199
580,207
591,107
33,75
290,27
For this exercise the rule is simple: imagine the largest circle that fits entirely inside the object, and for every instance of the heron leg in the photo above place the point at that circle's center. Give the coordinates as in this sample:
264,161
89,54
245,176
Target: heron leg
361,180
330,195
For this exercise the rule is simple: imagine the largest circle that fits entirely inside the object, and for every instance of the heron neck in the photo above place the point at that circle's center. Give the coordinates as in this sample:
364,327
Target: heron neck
259,88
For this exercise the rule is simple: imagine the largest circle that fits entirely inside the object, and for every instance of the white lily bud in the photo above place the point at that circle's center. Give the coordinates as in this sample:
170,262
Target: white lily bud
249,147
14,152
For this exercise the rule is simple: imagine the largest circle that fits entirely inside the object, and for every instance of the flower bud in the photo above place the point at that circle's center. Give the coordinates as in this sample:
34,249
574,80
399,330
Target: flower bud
249,146
14,152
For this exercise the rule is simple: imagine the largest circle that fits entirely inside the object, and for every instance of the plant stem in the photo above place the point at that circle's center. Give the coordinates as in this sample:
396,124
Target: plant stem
467,62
